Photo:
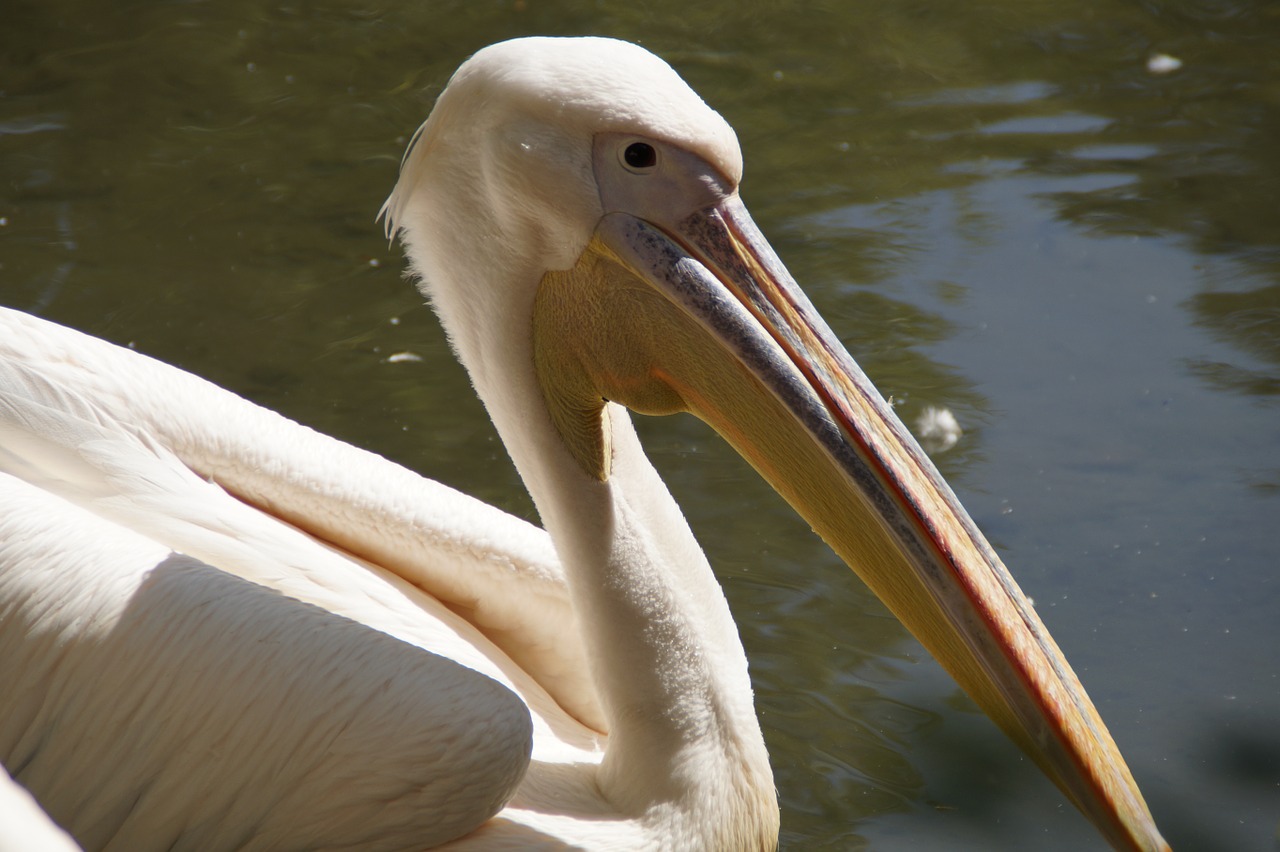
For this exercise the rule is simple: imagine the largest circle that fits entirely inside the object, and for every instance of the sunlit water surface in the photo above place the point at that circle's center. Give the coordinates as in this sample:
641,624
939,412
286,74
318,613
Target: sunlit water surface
1004,208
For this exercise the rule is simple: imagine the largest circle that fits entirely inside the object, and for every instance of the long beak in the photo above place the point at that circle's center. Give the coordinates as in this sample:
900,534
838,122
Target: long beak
795,404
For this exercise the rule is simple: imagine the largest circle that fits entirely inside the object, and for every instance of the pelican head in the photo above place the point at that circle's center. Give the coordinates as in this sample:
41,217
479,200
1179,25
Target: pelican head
618,268
528,148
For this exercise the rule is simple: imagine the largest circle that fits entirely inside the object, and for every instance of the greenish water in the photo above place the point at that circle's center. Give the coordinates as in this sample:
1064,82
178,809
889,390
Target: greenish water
999,207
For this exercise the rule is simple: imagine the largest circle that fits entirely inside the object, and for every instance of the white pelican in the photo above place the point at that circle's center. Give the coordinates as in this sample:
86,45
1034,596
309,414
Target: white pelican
219,629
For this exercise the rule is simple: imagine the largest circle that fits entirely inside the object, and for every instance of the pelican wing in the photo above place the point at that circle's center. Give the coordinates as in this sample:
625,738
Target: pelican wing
275,674
500,572
26,826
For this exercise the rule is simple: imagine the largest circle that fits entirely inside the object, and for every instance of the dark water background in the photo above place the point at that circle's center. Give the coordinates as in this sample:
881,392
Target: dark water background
1002,207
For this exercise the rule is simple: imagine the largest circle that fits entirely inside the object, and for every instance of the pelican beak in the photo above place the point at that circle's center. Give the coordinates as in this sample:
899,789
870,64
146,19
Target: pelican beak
752,357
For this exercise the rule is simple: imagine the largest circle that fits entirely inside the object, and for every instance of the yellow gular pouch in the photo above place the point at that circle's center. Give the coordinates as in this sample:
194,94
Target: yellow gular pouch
598,336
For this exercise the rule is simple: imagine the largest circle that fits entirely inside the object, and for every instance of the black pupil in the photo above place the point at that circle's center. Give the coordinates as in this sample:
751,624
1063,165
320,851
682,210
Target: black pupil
640,155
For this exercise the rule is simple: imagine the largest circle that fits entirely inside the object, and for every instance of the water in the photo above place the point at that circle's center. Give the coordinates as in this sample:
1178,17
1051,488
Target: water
999,207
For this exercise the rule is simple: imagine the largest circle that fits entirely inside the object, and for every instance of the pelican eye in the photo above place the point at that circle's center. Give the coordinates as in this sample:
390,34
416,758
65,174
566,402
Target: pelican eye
640,155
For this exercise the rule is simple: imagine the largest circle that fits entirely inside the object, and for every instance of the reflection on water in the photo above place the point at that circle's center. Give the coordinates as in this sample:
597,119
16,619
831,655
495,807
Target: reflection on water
999,207
1251,321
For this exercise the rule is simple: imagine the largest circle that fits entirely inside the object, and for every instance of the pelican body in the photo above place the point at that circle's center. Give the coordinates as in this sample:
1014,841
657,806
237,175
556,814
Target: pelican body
220,629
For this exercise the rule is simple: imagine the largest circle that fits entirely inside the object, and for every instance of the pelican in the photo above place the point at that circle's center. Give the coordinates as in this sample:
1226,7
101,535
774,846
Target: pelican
220,629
